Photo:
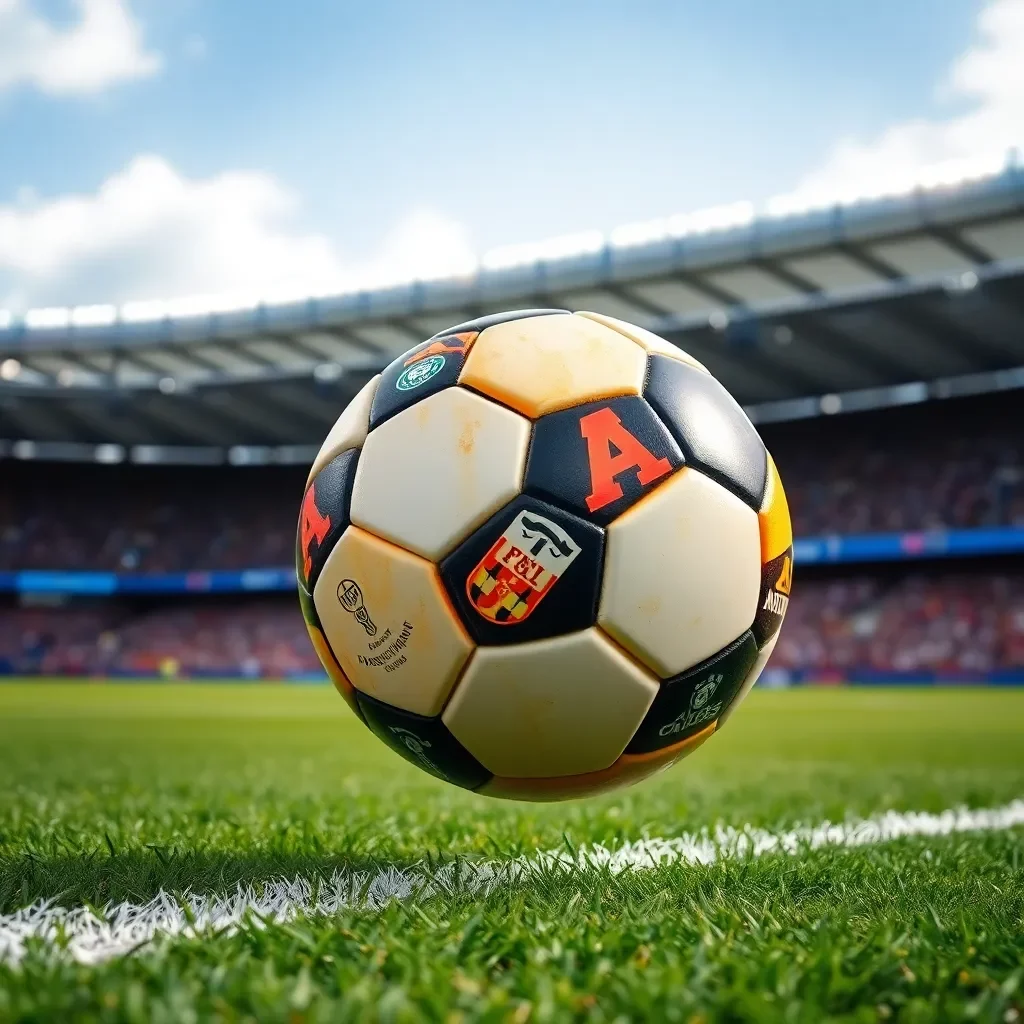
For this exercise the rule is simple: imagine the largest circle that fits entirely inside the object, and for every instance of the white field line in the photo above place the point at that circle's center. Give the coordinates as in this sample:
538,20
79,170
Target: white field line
90,937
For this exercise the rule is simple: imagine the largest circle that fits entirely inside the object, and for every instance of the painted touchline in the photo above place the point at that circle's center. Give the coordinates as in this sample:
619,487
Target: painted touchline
90,937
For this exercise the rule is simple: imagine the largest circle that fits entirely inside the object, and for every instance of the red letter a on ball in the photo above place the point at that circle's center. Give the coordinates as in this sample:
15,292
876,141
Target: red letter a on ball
314,527
603,431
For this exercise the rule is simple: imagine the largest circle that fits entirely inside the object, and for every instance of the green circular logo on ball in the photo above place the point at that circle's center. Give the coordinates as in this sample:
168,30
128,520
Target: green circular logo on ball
419,373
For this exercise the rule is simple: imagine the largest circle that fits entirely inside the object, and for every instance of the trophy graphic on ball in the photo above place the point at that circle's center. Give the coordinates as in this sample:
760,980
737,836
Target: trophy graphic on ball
351,599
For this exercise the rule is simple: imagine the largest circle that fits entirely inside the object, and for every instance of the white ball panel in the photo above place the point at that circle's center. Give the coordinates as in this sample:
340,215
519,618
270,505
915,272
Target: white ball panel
390,624
553,707
430,475
350,429
682,573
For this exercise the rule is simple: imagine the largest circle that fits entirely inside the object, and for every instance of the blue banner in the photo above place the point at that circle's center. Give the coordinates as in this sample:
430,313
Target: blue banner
219,581
849,549
894,547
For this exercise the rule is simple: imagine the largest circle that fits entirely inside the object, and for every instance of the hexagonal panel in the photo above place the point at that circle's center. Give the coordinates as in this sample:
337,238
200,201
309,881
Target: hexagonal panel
748,684
712,430
531,571
650,342
552,707
600,458
626,771
323,651
682,573
324,515
389,623
433,473
546,363
418,373
481,323
687,703
776,558
350,429
424,742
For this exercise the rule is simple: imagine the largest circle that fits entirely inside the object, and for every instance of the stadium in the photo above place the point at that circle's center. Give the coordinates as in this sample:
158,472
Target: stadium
194,827
876,346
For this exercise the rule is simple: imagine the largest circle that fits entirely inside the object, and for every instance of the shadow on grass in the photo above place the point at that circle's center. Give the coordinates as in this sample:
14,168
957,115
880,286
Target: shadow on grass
137,875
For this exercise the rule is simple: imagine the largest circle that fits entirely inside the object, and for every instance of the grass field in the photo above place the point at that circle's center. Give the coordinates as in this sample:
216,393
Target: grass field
112,793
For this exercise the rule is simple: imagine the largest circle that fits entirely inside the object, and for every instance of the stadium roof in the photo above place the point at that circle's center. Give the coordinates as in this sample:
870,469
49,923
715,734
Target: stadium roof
873,302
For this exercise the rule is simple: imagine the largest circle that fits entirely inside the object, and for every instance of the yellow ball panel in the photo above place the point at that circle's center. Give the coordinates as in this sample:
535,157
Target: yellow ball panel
544,363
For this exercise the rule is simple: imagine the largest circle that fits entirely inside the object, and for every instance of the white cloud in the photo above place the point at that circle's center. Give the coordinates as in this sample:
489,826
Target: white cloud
151,233
986,82
102,48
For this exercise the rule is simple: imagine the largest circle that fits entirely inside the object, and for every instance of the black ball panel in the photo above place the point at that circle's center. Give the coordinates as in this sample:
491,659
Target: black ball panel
598,459
776,583
422,371
483,322
686,703
324,515
424,742
531,571
712,430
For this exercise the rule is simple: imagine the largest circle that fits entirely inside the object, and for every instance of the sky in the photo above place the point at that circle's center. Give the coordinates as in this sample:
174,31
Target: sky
159,148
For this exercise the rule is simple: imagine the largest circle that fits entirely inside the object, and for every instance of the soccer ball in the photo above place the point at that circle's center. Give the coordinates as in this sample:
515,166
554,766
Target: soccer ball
544,554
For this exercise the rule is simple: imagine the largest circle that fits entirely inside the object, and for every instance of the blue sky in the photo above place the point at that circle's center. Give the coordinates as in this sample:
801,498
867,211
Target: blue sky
155,148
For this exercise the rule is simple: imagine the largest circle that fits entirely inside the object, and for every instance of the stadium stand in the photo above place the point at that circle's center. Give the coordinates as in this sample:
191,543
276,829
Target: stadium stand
250,639
954,464
864,628
960,625
161,448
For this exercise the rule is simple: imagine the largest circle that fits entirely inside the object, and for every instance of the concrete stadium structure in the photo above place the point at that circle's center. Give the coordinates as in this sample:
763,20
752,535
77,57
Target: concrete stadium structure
878,302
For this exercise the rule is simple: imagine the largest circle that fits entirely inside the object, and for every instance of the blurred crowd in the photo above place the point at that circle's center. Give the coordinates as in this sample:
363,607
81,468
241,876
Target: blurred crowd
954,623
949,464
256,638
147,519
946,464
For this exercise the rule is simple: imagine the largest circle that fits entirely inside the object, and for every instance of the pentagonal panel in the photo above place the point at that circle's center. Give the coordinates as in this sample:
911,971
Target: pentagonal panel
773,602
712,430
682,573
418,373
350,429
481,323
433,473
546,363
388,621
324,515
424,742
529,572
626,771
748,684
323,651
687,703
598,459
650,342
776,558
553,707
